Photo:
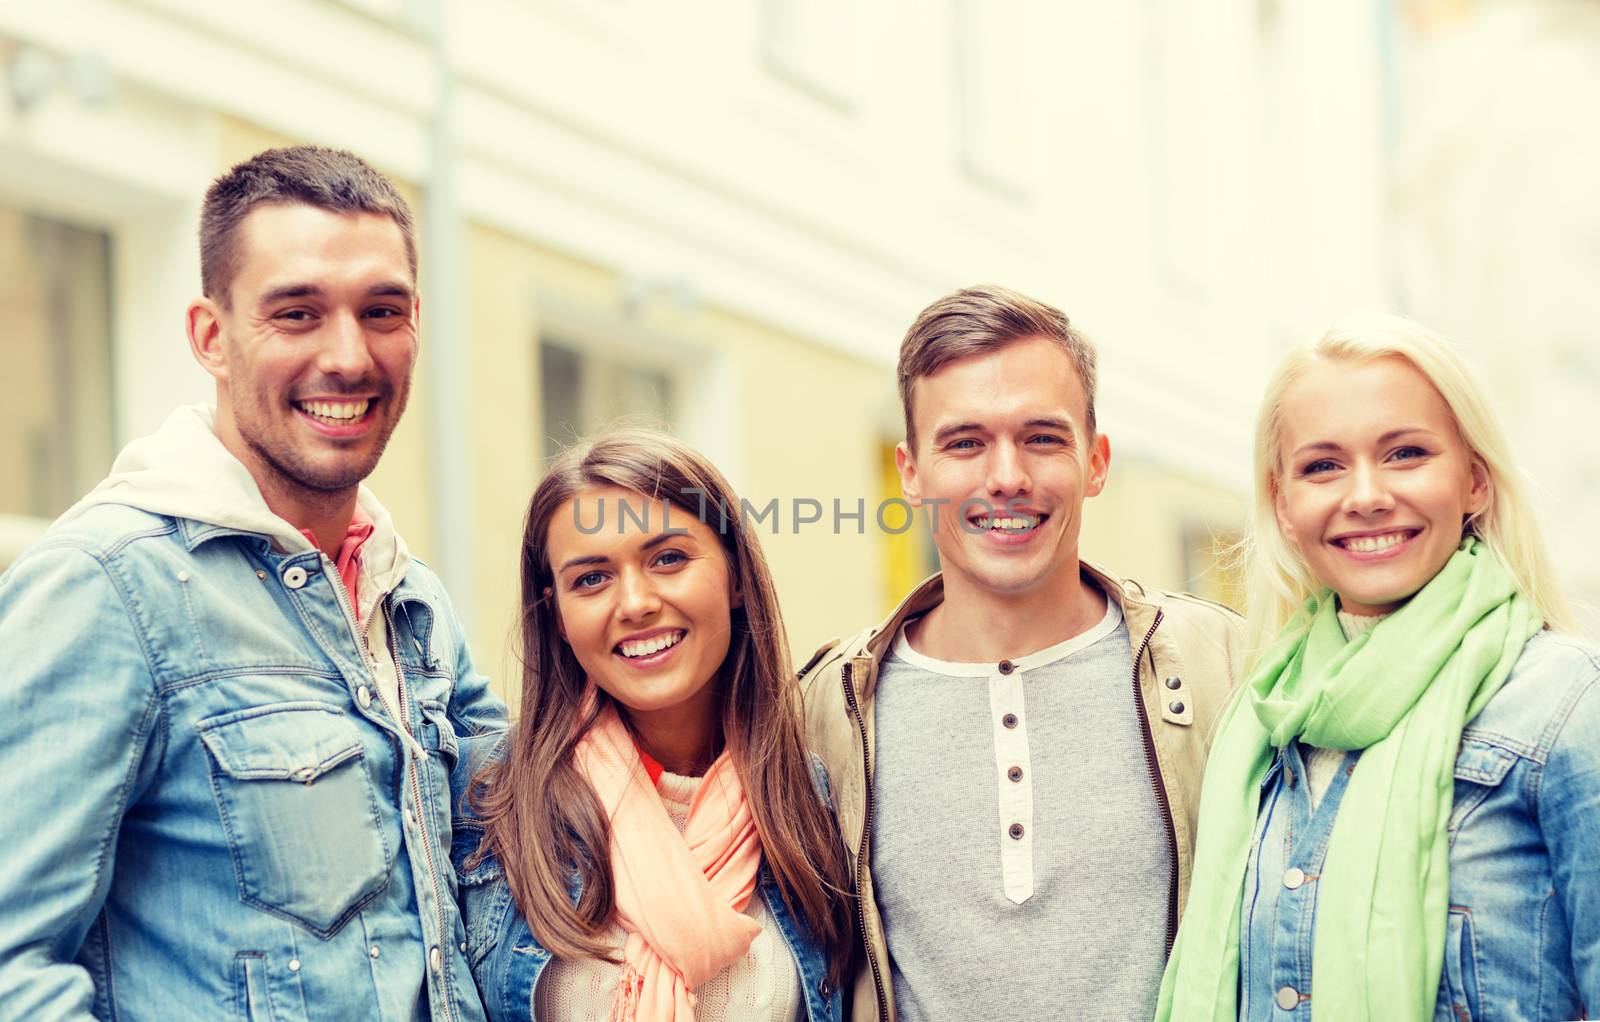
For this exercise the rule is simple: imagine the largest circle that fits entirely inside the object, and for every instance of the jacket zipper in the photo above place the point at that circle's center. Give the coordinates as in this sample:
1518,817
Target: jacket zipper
347,603
422,827
1160,786
866,833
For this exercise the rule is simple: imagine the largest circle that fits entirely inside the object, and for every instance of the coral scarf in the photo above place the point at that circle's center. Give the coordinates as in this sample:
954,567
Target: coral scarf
680,897
1402,692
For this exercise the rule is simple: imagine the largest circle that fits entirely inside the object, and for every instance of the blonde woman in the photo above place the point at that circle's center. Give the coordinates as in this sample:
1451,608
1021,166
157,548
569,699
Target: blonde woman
1402,808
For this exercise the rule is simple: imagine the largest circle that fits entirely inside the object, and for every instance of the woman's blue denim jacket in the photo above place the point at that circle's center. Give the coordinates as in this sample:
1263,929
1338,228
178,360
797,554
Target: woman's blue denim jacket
1522,938
507,960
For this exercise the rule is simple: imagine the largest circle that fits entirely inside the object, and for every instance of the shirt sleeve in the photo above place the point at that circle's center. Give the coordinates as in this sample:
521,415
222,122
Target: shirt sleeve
75,752
1569,816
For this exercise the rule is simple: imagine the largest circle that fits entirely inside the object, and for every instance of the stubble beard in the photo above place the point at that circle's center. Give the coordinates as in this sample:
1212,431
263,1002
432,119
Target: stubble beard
293,473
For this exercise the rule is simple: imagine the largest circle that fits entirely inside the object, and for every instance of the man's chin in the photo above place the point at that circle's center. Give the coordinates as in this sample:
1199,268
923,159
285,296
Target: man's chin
325,476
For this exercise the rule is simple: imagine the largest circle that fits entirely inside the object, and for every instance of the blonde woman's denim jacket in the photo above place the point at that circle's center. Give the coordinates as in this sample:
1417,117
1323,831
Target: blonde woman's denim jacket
1522,934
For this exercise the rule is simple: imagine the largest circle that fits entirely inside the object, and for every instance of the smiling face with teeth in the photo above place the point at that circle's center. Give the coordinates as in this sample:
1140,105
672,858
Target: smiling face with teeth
312,351
1003,454
646,606
1375,481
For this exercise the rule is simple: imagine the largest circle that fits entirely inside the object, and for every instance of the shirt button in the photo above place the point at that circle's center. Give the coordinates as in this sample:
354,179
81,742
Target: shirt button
1174,683
372,952
294,577
435,959
1015,773
823,988
1006,667
1009,720
1293,877
1016,831
1176,706
1288,998
463,947
364,696
294,965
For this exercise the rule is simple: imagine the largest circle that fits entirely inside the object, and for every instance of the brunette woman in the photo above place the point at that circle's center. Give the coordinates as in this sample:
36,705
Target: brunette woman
1402,806
653,843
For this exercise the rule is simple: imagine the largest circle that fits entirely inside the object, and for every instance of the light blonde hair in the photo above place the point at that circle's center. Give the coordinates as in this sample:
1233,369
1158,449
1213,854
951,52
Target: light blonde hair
1278,580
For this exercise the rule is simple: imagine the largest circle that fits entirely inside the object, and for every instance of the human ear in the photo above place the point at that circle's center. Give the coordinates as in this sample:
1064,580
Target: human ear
906,465
1479,493
1099,465
203,322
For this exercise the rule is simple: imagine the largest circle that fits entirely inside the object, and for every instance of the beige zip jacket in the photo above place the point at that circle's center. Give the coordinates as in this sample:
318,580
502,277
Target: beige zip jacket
1187,653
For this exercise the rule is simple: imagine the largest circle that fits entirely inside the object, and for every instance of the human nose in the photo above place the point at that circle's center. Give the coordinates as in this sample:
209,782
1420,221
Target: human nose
344,349
1006,472
637,598
1368,491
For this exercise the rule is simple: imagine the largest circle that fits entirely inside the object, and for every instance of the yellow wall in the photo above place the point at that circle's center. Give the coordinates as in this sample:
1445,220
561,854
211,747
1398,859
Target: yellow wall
1137,528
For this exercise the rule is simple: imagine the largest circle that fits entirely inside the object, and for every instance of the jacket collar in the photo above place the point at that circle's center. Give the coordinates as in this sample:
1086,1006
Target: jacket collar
1137,609
182,471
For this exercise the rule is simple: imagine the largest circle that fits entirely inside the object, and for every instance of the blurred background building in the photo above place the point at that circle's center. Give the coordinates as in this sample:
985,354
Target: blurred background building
723,215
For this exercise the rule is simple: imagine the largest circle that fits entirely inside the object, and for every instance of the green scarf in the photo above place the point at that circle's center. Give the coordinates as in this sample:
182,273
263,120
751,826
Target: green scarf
1402,692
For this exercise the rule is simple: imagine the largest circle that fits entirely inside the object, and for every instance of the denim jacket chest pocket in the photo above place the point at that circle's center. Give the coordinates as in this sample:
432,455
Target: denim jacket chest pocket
299,811
1481,769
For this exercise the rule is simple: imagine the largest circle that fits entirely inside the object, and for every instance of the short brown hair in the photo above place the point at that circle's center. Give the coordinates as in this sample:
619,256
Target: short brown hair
978,320
332,179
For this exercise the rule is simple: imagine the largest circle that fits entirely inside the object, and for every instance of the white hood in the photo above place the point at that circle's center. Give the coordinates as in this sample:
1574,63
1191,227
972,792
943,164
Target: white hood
183,471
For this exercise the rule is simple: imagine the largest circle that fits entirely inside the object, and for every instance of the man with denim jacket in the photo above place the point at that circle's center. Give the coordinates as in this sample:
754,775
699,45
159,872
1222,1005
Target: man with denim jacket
1016,753
233,699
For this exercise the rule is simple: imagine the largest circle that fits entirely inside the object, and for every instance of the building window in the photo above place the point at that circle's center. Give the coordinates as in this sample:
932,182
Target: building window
584,391
56,422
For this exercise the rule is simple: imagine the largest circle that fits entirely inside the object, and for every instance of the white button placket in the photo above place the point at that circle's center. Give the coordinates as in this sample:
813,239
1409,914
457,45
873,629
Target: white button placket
1015,795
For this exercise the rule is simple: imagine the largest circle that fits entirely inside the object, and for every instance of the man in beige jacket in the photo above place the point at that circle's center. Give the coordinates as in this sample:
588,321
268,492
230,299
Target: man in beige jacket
1016,753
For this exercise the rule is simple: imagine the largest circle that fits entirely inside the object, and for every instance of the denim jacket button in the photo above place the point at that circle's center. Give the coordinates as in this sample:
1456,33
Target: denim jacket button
1293,877
823,988
1288,998
294,577
294,965
364,696
435,959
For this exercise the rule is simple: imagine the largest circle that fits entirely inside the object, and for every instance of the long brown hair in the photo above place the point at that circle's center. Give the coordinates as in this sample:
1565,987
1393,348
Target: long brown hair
542,819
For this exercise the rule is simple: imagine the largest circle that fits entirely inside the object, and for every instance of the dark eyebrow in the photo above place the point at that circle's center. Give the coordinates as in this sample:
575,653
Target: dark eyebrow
576,561
301,289
1051,422
283,291
649,544
943,433
393,289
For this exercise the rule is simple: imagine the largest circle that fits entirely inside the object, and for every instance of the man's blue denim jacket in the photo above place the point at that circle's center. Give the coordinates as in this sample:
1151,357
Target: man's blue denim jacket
205,818
507,960
1522,938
